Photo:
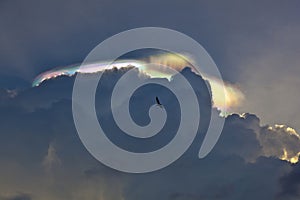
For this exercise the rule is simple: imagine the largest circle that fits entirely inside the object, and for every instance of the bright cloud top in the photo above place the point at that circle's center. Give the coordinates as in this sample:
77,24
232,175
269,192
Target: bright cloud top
233,96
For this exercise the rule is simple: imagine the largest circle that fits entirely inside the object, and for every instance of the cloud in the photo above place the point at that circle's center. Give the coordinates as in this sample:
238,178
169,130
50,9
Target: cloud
257,51
270,76
157,64
280,141
290,184
245,163
19,197
50,41
51,160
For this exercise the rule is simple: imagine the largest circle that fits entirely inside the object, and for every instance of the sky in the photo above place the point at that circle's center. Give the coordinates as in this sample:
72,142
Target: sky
256,47
251,42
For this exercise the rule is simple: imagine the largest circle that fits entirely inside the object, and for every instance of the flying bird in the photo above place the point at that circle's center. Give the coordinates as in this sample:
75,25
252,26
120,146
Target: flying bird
158,102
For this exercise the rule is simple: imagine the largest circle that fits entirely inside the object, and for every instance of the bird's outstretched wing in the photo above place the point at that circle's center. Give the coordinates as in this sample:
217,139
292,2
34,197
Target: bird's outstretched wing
157,101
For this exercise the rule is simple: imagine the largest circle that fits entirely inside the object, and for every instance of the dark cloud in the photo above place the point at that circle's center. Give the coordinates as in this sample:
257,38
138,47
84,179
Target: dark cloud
290,184
19,197
41,153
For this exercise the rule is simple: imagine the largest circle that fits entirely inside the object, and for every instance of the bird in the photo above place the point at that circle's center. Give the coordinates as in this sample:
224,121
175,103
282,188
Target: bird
158,102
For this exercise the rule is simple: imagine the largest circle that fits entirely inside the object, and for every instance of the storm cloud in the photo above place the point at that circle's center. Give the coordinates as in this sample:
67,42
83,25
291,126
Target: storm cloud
42,155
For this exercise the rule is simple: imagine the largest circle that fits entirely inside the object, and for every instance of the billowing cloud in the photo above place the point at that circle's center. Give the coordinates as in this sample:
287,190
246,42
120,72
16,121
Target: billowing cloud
246,159
280,141
290,184
160,64
258,51
264,47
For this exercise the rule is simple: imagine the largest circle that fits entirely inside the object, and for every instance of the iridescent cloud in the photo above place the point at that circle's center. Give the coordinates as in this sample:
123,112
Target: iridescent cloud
233,96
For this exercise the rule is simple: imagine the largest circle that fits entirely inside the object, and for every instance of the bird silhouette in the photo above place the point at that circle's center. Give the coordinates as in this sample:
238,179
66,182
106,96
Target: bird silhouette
158,102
